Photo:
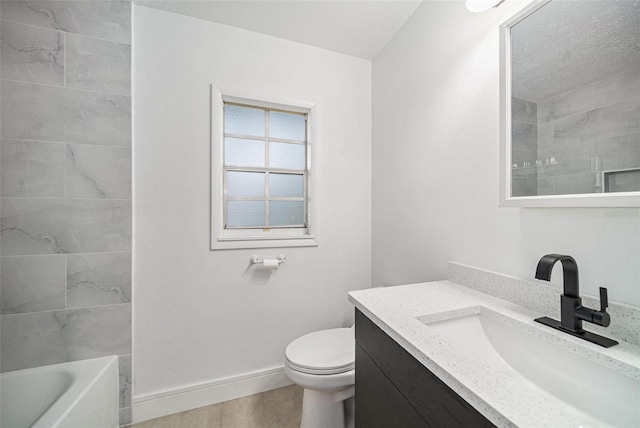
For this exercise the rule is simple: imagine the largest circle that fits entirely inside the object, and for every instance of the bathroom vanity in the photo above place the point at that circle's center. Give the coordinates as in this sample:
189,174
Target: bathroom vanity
396,390
442,354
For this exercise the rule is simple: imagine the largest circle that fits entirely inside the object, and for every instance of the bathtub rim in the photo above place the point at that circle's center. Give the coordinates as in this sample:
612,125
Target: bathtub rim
85,374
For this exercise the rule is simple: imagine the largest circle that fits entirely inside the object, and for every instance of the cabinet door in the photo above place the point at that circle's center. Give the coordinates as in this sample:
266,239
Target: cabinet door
378,403
436,403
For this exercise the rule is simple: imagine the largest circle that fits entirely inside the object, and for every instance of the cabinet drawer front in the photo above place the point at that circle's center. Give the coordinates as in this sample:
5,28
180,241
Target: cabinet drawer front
432,399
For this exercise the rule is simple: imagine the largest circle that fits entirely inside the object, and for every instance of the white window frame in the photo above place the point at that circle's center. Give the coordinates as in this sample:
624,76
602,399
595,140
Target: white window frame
245,238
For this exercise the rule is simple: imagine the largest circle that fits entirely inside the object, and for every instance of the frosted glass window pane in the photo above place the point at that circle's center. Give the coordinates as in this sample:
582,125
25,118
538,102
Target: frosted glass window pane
286,125
244,120
285,155
245,183
245,213
283,213
239,152
291,185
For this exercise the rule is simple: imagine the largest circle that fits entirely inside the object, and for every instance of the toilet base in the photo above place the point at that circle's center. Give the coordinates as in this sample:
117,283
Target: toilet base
350,412
324,409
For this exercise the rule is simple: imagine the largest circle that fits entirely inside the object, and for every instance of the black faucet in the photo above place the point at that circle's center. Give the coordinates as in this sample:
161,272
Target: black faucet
572,313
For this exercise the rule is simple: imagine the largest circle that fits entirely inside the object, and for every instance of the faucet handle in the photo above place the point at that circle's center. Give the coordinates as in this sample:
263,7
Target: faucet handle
604,300
601,317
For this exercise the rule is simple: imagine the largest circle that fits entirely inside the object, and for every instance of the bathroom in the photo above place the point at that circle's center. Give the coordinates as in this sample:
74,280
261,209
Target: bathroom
107,189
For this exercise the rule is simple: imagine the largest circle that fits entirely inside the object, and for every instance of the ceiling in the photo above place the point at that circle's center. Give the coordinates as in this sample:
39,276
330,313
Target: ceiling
359,28
568,44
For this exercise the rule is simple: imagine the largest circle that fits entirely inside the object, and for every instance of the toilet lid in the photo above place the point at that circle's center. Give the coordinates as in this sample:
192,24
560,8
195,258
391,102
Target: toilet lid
323,352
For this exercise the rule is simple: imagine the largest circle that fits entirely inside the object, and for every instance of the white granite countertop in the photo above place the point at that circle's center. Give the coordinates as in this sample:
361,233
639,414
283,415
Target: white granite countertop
504,400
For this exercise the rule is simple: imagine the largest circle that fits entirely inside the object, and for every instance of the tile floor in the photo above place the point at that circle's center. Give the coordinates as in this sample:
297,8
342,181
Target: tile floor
280,408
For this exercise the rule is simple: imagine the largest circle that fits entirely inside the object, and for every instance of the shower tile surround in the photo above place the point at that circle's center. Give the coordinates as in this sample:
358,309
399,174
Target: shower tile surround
524,137
585,130
65,184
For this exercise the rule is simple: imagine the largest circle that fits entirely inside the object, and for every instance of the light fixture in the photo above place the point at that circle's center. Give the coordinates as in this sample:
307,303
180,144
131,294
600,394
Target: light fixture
482,5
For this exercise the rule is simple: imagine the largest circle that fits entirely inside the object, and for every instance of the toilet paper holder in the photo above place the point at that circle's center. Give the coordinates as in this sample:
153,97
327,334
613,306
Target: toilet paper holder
258,261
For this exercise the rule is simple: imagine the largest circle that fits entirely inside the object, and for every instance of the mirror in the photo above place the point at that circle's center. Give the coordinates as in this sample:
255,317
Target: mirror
570,104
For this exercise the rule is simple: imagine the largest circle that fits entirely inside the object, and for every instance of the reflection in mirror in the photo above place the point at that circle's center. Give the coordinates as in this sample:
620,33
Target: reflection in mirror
575,99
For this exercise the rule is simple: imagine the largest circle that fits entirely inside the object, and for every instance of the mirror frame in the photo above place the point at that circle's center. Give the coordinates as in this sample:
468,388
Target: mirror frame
618,199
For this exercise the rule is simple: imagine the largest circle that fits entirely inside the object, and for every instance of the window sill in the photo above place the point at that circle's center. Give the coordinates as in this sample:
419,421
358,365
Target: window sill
248,242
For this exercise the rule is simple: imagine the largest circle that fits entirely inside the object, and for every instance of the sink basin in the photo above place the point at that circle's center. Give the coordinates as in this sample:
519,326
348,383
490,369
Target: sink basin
602,395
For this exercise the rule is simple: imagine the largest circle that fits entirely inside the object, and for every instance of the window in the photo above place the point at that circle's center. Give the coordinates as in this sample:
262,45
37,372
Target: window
264,173
265,168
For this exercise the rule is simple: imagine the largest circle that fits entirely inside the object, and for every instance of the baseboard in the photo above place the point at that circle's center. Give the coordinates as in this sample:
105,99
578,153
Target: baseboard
177,400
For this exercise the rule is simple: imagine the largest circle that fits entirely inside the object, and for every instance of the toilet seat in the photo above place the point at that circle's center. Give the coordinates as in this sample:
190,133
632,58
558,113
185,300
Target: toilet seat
324,352
316,371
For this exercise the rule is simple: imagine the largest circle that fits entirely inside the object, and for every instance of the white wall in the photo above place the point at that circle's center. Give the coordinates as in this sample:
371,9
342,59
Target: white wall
202,316
435,167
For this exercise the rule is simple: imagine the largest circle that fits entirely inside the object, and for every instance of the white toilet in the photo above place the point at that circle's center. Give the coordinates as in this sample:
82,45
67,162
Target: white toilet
323,363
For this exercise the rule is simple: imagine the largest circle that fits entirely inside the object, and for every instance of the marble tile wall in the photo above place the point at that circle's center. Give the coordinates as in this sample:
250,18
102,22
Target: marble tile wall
65,184
590,129
524,144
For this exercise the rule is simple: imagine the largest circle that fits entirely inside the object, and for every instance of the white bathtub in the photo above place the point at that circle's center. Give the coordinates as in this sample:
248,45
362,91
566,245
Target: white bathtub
78,394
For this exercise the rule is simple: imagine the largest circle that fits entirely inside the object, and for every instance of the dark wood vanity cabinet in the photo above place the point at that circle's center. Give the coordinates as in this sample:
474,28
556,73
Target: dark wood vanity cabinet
394,390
